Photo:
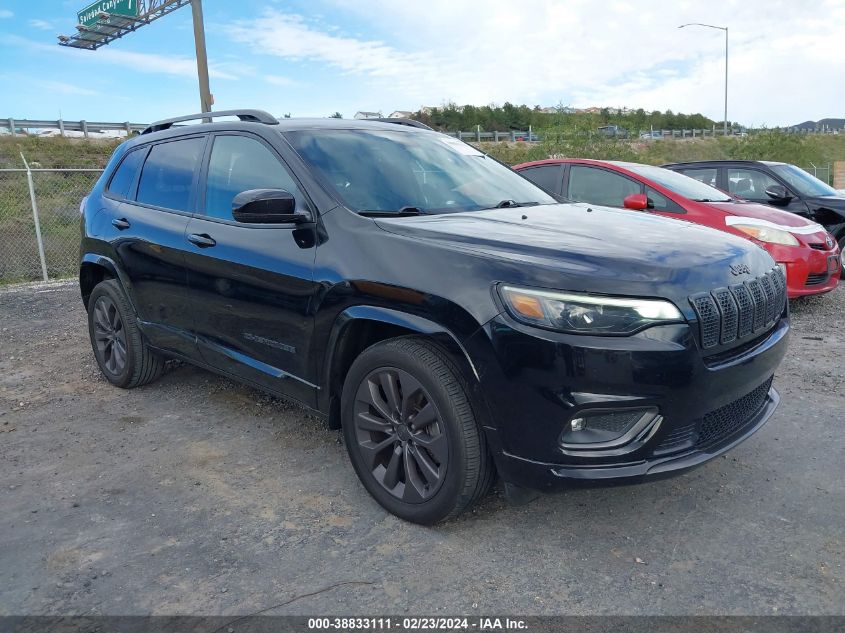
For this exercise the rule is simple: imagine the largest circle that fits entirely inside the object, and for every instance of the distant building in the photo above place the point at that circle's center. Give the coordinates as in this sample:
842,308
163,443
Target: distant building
401,114
367,115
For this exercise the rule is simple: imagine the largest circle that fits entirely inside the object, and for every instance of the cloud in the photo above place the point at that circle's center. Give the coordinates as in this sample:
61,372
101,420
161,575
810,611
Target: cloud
152,63
5,13
277,80
44,25
579,52
62,87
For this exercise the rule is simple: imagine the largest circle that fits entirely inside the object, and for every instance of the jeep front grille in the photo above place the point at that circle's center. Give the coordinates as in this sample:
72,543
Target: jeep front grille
740,312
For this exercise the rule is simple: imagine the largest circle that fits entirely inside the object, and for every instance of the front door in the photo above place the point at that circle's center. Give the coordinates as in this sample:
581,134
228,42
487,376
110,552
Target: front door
751,184
251,285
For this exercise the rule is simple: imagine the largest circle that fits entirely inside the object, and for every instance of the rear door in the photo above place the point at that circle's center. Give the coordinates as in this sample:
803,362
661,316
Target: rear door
252,284
149,201
596,185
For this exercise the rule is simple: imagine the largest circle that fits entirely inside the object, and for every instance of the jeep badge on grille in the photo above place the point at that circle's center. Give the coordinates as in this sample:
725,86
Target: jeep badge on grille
740,269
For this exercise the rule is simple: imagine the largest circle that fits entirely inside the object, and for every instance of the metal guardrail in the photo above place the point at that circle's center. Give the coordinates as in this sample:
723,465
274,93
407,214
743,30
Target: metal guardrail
17,126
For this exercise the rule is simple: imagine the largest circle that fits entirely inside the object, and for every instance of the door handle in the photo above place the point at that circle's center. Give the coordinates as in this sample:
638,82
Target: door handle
120,223
203,240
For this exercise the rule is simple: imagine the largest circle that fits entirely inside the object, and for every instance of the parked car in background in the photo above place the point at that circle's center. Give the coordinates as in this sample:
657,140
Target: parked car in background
809,256
455,320
780,185
651,136
613,131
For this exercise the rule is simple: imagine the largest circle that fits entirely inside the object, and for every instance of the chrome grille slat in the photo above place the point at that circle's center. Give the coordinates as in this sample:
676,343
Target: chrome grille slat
726,315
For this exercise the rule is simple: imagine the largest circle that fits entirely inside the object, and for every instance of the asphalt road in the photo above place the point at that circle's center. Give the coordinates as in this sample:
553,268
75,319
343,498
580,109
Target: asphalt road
195,495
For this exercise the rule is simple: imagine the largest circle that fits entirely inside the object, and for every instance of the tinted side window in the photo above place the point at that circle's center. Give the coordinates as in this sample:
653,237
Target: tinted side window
705,175
545,176
240,163
600,186
125,174
659,202
168,174
749,183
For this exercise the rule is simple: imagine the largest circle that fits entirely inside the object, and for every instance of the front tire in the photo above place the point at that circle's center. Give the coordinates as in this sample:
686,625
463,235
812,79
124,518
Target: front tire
411,432
121,352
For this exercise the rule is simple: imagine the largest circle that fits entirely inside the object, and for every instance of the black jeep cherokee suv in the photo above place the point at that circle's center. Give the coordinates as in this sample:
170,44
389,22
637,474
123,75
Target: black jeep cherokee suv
455,320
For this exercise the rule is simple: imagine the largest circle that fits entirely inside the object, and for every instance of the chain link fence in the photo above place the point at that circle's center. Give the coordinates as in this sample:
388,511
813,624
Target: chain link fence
822,172
39,222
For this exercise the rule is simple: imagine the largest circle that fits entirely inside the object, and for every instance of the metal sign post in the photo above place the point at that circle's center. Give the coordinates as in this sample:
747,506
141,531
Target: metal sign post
206,100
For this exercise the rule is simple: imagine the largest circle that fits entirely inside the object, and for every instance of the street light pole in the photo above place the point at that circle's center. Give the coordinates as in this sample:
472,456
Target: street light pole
725,29
202,58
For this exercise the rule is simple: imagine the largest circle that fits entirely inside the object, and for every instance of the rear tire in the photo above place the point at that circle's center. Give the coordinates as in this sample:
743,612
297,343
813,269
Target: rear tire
411,433
119,348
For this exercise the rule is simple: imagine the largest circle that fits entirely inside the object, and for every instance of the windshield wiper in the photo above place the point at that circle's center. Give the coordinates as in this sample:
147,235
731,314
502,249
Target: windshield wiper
404,212
506,204
709,200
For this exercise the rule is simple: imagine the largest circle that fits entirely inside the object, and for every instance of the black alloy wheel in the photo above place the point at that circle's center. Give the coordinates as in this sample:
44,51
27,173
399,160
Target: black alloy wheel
411,430
400,434
109,336
119,347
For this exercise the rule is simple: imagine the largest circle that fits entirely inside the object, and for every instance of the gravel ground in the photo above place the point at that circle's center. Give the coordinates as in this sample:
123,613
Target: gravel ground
196,495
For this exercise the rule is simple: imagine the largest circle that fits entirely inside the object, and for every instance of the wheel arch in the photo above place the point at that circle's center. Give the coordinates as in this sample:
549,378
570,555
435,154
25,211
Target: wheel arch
95,268
359,327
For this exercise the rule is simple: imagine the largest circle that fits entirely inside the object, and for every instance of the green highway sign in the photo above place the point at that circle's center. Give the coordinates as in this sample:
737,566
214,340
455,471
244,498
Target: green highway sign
91,14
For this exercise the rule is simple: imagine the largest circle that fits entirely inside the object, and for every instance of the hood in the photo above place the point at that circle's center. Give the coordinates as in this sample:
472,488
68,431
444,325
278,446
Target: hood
762,215
835,202
590,248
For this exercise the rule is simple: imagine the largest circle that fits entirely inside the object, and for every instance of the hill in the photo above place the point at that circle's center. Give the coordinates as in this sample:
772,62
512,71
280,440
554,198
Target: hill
836,124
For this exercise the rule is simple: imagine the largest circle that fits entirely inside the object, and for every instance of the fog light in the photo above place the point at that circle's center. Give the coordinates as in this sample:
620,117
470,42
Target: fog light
604,428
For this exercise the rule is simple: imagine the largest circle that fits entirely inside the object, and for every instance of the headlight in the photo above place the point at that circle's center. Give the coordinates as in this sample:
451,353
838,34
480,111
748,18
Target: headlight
586,314
768,234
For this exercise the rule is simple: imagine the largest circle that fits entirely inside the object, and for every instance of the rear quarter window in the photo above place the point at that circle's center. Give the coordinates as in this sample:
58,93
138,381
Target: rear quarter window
547,177
124,175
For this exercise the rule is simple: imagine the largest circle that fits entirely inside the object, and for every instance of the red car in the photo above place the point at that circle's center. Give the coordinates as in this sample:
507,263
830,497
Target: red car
808,254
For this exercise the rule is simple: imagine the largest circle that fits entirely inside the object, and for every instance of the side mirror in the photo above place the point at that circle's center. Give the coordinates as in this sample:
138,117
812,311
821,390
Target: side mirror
267,206
778,193
636,201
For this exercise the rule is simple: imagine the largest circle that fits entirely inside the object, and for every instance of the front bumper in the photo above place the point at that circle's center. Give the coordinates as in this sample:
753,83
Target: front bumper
541,476
535,383
808,271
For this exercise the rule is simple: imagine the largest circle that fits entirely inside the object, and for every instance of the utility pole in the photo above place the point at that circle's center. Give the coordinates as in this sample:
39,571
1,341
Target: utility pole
725,29
206,99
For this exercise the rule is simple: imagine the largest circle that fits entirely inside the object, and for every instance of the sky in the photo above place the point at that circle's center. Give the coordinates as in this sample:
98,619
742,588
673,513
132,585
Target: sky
316,57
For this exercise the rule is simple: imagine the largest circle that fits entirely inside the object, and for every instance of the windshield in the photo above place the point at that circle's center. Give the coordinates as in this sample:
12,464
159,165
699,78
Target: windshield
678,183
395,170
802,182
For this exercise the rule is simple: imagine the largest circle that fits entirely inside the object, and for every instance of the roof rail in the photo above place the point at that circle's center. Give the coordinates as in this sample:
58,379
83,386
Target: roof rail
254,116
398,121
